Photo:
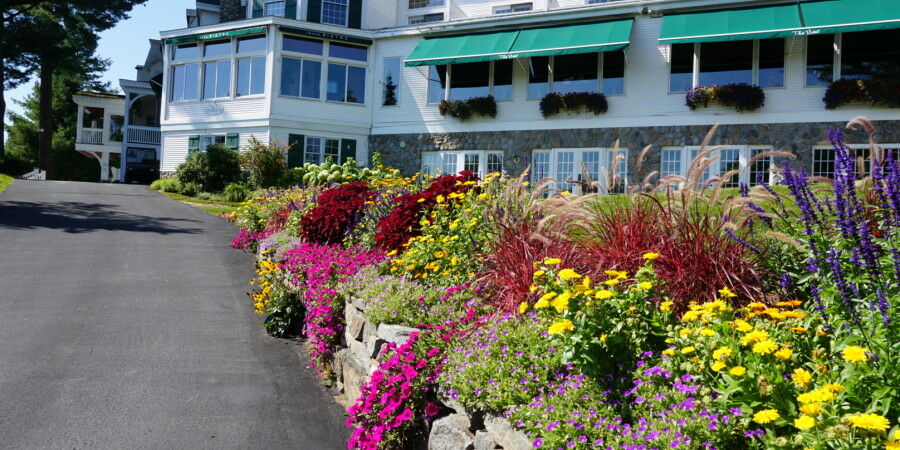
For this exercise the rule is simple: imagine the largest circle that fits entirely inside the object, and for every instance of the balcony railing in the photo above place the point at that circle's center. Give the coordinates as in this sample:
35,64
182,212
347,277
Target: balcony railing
89,136
143,135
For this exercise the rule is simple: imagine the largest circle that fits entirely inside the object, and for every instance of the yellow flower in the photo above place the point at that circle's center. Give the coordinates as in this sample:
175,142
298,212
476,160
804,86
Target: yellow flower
612,282
561,303
726,293
766,416
707,332
440,199
561,326
764,347
586,283
523,307
684,332
721,353
603,294
541,304
645,285
568,275
533,289
754,336
604,337
421,200
834,387
801,377
539,273
669,352
391,253
688,350
784,354
816,396
742,326
552,261
546,297
892,445
737,371
439,254
650,256
872,422
717,366
812,409
665,306
855,353
804,423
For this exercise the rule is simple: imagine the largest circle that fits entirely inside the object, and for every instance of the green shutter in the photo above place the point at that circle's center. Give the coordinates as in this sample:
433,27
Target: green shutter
348,149
232,141
193,145
257,8
295,150
314,11
354,17
290,9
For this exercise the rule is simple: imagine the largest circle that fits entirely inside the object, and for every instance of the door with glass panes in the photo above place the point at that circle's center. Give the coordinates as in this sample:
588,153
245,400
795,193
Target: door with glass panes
582,170
454,162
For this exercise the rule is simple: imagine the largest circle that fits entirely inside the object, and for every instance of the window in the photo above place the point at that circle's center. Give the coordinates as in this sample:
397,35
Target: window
216,79
575,73
217,49
184,52
437,83
116,126
503,73
508,9
823,158
334,12
301,77
251,45
413,4
587,72
206,141
347,51
426,18
251,76
596,2
92,118
391,82
346,83
678,161
274,8
184,82
319,148
302,45
857,55
452,162
582,170
468,80
759,62
538,77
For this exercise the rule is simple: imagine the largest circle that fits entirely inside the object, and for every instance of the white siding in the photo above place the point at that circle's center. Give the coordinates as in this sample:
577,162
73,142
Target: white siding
218,111
175,143
380,14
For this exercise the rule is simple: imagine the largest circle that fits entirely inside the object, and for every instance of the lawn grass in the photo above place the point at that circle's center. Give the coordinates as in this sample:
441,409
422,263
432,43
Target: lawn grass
5,181
211,206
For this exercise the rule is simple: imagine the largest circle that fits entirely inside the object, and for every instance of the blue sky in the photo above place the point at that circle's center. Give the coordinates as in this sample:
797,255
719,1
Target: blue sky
126,43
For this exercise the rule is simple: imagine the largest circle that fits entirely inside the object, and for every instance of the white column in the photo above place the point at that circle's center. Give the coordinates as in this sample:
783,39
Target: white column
104,166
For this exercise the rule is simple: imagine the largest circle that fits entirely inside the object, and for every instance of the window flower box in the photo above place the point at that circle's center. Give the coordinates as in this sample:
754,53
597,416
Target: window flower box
742,97
573,103
877,92
464,110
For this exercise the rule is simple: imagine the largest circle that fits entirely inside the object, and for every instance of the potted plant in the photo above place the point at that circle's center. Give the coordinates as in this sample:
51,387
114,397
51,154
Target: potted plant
573,103
463,110
742,97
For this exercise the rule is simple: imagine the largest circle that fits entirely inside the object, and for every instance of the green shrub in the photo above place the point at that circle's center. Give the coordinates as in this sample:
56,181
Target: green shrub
167,185
211,170
236,193
189,189
264,165
205,196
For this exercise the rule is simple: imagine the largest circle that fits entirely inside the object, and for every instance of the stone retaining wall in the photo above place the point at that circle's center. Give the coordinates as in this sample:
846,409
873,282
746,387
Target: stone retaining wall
359,357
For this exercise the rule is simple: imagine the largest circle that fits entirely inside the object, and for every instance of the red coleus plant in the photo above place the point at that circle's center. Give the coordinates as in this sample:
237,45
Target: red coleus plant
402,223
336,211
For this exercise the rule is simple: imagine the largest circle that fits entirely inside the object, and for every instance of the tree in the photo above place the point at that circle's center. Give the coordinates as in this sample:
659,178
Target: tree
51,36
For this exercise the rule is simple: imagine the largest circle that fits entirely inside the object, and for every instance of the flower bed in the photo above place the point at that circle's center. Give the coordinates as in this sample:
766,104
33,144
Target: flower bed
472,312
573,103
877,91
464,110
742,97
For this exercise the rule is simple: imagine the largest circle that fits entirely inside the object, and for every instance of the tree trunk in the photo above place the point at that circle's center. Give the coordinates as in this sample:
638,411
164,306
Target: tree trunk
45,140
2,92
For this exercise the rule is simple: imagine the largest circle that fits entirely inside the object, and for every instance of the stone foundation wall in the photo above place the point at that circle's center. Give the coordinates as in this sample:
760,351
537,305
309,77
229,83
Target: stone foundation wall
403,151
359,357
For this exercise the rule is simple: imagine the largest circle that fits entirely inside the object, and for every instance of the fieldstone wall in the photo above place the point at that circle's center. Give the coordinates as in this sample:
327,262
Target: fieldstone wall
359,357
403,151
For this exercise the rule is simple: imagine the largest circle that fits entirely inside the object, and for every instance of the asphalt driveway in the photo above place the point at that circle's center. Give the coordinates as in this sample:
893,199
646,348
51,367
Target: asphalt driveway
124,323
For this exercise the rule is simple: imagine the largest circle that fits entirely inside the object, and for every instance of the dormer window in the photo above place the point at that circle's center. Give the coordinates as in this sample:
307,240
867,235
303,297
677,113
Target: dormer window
414,4
509,9
334,12
274,8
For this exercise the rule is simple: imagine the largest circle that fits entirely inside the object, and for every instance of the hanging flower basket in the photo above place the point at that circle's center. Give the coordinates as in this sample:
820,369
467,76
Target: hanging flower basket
742,97
573,103
463,110
877,91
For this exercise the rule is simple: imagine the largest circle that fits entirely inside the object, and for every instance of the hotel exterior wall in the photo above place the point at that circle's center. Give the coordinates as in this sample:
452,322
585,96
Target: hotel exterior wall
403,151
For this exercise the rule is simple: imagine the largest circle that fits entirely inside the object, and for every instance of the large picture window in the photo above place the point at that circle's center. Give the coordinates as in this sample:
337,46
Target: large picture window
678,160
205,70
857,55
823,158
346,83
468,80
301,75
582,170
759,62
478,162
588,72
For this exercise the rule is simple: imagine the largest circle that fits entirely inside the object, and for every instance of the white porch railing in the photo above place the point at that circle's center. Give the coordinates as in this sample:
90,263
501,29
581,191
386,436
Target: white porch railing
36,174
89,136
143,135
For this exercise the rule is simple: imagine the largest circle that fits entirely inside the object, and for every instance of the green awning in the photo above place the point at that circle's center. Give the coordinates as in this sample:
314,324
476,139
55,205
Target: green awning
835,16
732,25
216,35
461,49
571,39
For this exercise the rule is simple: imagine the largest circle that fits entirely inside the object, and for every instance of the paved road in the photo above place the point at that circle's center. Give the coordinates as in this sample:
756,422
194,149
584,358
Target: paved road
124,323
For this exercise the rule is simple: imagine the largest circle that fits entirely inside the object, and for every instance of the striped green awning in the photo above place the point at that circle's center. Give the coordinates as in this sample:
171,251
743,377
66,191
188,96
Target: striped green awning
835,16
216,35
732,25
544,41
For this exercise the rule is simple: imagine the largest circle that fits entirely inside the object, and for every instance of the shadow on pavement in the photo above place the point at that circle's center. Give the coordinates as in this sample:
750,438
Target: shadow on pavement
80,217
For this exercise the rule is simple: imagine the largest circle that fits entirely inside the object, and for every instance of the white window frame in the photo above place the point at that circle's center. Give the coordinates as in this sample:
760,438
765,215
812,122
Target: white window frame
551,61
204,60
323,141
422,18
512,8
266,4
345,4
397,82
173,64
200,60
605,156
428,4
895,148
237,57
746,153
455,160
754,66
323,74
212,138
490,86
